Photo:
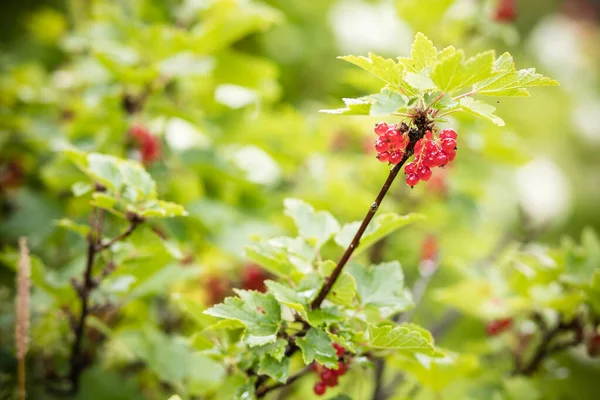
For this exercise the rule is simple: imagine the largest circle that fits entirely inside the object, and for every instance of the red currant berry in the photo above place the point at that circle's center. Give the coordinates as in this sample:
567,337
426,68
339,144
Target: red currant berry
342,369
383,156
326,374
424,173
412,180
381,128
315,367
339,349
430,160
403,142
253,278
441,159
381,145
419,147
410,168
393,136
448,145
506,11
396,157
332,381
430,147
448,133
319,388
593,345
451,155
498,326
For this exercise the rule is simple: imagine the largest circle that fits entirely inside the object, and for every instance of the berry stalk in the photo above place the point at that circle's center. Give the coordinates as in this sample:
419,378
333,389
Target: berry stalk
328,285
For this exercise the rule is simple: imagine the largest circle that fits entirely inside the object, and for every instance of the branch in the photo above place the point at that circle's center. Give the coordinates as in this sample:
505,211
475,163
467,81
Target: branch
95,246
330,281
22,301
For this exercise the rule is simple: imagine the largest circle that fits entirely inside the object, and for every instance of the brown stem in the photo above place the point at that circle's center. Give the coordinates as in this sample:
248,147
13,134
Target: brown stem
95,246
330,281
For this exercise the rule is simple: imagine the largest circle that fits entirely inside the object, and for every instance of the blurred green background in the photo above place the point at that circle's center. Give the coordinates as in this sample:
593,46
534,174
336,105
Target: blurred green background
230,89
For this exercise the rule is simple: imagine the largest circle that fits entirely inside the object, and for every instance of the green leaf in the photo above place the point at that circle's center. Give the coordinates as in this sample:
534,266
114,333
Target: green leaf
381,226
72,226
105,170
276,369
423,55
273,260
479,68
259,312
344,289
403,338
81,188
383,68
382,287
360,106
507,81
420,81
481,109
448,74
160,209
276,349
316,345
319,226
387,102
286,295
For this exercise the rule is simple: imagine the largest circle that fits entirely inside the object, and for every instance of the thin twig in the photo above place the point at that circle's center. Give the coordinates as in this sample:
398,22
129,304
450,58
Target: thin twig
134,222
330,281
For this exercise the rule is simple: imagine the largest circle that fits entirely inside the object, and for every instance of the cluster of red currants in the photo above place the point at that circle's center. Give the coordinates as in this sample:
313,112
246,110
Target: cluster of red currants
391,142
149,145
430,153
329,377
498,326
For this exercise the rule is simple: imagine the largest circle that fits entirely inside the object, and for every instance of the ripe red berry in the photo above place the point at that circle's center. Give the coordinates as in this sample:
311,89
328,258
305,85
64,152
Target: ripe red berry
441,159
393,136
448,145
383,156
342,369
316,367
424,173
593,345
430,147
319,388
253,278
381,145
326,373
381,128
498,326
396,157
412,180
451,155
428,135
430,160
339,349
419,147
506,11
410,168
448,133
331,381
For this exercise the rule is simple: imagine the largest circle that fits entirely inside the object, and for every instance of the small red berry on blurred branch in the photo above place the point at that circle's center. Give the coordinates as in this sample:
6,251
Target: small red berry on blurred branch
498,326
253,278
506,11
149,145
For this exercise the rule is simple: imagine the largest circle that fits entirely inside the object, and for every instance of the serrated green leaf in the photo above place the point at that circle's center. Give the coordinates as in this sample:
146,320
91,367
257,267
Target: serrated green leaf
259,312
403,338
382,287
272,259
286,295
481,109
276,369
448,74
160,209
316,345
312,225
344,289
423,55
360,106
383,68
479,68
420,81
507,81
103,200
324,316
105,170
387,102
276,349
381,226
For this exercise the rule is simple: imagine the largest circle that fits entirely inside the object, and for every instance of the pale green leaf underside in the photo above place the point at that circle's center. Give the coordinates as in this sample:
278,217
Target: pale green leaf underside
403,338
